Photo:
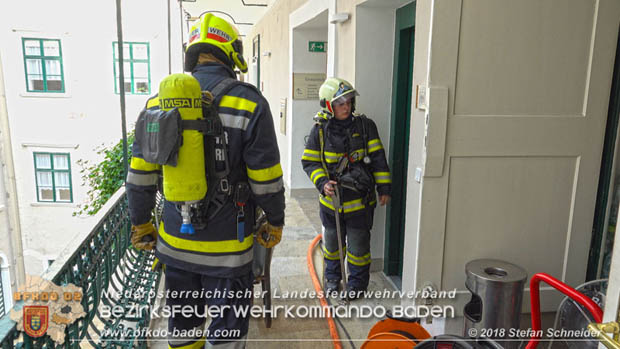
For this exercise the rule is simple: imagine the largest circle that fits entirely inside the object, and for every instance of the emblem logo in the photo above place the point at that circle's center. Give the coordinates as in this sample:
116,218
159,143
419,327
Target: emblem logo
36,320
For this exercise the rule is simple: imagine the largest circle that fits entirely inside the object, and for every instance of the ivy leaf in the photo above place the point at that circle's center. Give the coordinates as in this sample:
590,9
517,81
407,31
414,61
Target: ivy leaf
104,178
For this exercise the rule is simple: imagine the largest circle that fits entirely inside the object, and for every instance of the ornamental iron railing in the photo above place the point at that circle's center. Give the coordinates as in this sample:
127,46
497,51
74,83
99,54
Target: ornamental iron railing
2,308
112,274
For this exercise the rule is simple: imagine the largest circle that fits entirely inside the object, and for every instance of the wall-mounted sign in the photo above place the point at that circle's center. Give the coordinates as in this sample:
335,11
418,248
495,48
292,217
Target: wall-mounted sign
316,46
306,86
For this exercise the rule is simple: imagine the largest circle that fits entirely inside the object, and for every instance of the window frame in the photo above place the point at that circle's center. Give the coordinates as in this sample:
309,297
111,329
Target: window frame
44,58
131,62
53,171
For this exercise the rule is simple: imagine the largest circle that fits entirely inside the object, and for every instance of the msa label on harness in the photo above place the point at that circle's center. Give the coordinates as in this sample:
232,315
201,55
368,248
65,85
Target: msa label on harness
180,103
152,127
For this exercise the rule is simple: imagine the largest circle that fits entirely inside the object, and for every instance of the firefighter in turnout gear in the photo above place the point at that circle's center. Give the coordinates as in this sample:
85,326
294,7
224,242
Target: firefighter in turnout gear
343,152
242,167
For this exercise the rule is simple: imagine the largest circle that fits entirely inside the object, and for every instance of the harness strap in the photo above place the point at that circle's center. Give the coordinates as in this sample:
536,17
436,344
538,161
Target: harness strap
220,190
322,146
208,127
362,118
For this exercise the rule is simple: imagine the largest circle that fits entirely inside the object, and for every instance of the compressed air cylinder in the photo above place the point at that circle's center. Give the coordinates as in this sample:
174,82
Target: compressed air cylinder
185,183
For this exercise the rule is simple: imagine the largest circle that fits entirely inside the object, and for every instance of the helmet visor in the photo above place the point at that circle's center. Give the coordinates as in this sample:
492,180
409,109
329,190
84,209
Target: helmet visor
344,98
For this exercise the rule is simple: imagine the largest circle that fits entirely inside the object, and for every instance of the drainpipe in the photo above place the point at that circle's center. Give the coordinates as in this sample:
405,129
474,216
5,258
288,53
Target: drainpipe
182,41
16,250
169,41
121,84
331,42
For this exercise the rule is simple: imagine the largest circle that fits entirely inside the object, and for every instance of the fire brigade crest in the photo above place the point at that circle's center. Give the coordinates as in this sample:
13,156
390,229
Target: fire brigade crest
36,320
48,308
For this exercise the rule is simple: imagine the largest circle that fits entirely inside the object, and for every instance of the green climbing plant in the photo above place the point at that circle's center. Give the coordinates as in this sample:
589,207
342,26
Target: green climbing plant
103,178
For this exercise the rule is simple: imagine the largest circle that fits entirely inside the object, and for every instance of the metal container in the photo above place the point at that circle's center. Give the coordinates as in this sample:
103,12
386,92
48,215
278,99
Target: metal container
495,305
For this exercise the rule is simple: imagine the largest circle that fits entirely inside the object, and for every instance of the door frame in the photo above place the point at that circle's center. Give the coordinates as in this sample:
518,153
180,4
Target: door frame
399,134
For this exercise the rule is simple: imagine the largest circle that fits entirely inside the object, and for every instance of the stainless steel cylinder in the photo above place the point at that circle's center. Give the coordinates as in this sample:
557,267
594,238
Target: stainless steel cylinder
495,306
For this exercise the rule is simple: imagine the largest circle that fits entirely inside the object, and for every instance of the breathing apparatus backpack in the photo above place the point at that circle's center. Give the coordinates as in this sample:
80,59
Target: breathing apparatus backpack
183,136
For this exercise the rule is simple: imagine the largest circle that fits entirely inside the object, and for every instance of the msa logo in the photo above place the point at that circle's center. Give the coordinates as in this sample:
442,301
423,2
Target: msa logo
152,127
167,103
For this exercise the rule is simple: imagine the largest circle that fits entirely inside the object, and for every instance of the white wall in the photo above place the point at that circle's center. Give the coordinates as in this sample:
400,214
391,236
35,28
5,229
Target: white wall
87,114
300,120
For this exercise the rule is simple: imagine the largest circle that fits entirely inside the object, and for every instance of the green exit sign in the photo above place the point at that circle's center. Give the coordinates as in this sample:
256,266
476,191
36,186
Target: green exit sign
316,46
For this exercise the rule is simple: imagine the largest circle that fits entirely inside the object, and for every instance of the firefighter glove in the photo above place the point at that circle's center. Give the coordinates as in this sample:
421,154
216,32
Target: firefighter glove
269,235
143,236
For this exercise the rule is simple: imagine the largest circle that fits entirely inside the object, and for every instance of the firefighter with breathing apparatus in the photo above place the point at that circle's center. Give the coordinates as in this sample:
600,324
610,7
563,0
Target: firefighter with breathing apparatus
212,137
345,160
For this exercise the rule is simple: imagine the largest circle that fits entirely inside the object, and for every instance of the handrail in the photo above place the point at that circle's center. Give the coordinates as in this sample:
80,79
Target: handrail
577,296
102,261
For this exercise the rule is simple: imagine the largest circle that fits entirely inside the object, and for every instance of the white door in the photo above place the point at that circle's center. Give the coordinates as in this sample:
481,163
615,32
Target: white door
517,104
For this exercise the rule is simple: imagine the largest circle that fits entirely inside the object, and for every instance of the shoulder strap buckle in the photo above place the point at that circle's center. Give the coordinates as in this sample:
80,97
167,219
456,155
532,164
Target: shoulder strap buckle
224,186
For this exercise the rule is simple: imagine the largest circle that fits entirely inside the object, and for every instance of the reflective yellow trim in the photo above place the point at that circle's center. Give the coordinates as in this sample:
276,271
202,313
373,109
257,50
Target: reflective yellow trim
330,154
360,154
319,176
375,148
142,165
196,345
266,174
360,262
153,102
311,155
205,246
330,255
326,203
362,258
238,103
319,172
382,177
333,157
374,145
347,206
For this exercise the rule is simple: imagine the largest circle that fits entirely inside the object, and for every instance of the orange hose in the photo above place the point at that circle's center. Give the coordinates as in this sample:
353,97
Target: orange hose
317,287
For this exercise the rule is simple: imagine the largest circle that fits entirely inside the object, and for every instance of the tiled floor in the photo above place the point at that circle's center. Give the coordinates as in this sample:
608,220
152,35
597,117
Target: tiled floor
290,273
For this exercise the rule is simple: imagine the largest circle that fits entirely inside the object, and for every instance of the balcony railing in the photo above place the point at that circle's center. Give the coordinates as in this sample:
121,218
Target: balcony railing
103,261
2,310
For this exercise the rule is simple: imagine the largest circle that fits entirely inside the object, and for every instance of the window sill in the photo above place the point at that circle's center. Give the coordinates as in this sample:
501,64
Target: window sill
45,95
54,204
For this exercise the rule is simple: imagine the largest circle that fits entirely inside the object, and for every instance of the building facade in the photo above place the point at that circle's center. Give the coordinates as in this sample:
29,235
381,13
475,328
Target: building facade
61,104
495,117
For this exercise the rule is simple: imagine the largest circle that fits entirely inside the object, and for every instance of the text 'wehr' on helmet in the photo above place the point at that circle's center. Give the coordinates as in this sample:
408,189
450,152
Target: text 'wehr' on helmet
214,35
335,91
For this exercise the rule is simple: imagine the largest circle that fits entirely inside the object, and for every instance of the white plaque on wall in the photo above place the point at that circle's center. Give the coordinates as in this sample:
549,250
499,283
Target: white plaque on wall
306,86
